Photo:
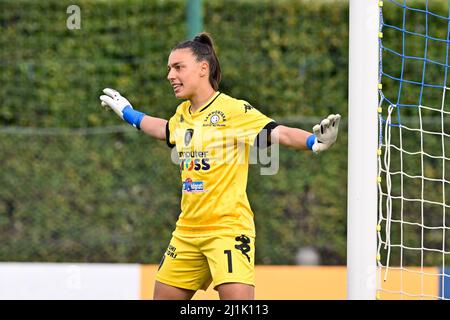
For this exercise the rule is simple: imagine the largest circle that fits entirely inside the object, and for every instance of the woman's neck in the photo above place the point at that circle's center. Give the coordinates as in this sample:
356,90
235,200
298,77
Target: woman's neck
201,98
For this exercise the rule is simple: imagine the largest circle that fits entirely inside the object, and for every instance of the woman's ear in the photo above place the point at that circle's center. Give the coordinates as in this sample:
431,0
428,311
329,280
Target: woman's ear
204,69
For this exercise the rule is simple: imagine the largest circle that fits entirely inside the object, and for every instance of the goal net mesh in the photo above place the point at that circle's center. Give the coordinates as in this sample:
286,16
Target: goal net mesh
414,150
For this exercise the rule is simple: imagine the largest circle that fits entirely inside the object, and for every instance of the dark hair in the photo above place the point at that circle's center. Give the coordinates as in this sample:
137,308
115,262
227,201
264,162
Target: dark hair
202,47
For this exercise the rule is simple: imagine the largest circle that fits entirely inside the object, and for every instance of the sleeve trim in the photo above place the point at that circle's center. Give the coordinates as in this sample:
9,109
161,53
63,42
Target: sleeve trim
170,145
268,127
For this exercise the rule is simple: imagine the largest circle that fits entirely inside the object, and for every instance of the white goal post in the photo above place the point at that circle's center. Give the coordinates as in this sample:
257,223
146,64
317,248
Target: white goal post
362,149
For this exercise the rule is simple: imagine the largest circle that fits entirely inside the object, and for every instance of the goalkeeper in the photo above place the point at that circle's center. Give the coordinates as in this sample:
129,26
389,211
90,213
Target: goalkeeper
214,237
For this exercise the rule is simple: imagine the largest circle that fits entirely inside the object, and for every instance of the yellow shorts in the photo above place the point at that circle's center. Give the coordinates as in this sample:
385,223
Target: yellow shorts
193,263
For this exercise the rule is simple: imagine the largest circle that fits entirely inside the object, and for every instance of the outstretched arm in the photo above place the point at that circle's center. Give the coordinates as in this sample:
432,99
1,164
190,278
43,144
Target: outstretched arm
155,127
325,135
290,137
152,126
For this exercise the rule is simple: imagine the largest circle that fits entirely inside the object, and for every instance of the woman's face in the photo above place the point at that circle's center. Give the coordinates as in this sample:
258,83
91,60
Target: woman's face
185,72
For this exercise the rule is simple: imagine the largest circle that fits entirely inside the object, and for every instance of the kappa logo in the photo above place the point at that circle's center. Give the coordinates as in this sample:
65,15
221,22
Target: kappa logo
188,136
248,107
244,246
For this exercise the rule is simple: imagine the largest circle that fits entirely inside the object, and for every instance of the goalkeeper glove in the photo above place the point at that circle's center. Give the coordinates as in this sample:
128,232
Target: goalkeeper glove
325,134
122,107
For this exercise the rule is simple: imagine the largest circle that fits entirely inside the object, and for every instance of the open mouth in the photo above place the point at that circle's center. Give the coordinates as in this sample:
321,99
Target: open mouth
177,87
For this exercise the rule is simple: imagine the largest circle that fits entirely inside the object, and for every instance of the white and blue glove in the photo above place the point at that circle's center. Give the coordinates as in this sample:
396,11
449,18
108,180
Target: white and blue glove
122,107
325,134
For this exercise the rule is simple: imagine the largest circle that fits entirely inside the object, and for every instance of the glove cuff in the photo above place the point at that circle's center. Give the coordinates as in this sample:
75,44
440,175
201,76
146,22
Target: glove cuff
132,116
310,141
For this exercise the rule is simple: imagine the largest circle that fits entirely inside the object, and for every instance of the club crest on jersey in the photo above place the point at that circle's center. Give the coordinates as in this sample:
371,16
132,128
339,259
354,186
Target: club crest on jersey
181,119
188,136
190,186
215,119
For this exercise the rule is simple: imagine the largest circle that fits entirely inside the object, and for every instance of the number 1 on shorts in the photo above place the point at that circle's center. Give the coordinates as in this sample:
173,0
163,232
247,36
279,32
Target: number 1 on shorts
230,264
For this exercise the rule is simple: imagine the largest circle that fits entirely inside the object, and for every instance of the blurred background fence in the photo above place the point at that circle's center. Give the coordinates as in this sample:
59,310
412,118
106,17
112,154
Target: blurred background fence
77,185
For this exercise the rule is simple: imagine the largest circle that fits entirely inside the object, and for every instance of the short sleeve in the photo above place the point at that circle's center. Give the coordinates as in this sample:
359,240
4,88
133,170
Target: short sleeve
253,126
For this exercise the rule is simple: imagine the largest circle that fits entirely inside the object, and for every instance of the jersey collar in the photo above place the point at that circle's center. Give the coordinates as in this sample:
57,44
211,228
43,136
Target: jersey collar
207,104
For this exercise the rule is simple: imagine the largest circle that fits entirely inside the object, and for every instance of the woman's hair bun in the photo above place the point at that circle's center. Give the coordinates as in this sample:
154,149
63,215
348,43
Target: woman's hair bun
203,38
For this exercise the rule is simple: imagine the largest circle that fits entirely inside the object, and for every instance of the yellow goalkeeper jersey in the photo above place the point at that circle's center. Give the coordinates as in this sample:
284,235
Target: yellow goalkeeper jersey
213,145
